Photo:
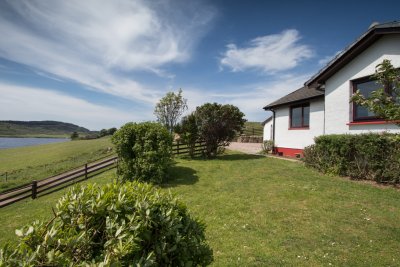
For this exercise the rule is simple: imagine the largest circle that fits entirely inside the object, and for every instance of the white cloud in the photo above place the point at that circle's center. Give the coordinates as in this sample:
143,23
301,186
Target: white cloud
20,103
269,53
90,42
250,99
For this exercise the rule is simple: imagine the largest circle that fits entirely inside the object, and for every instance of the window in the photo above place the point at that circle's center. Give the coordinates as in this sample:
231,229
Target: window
366,87
300,116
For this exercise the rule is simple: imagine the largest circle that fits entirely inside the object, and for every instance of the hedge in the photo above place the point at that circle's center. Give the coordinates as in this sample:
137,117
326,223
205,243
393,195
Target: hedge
130,224
368,156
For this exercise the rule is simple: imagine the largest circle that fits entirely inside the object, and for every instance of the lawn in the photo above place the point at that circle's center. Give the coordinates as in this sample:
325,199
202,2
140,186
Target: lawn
25,164
262,211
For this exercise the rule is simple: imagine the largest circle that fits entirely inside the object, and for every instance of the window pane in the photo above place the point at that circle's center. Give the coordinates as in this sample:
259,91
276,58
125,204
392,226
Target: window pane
306,119
296,117
366,89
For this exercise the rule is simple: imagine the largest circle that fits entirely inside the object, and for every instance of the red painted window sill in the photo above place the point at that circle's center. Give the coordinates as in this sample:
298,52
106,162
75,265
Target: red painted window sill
371,122
299,128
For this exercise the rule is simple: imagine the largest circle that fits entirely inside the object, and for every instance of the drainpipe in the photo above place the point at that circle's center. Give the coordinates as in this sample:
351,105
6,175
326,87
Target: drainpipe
273,130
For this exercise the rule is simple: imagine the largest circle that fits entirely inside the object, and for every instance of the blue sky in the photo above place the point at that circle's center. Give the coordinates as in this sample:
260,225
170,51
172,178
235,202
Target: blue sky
101,64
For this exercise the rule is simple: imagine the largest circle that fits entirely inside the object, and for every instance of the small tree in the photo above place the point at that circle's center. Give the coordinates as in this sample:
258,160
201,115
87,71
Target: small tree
218,125
170,109
103,132
111,131
189,132
384,102
144,151
74,135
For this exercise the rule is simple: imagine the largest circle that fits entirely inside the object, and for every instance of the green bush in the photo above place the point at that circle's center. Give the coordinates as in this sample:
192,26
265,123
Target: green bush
364,156
144,151
218,125
267,146
189,132
133,224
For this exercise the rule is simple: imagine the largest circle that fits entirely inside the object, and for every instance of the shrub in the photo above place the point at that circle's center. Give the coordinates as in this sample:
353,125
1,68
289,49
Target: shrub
133,224
364,156
189,132
267,146
218,125
144,151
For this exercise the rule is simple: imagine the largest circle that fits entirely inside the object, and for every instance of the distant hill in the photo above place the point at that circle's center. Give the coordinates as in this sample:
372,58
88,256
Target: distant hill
253,128
39,128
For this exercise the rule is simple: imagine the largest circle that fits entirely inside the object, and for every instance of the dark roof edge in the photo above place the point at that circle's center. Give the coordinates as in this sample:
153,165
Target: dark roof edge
269,107
352,51
266,121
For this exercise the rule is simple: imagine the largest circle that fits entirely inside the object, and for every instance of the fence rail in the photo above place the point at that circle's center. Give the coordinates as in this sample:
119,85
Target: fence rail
51,184
253,131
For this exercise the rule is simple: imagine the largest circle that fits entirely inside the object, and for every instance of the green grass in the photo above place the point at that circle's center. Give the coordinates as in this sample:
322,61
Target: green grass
268,212
253,128
25,164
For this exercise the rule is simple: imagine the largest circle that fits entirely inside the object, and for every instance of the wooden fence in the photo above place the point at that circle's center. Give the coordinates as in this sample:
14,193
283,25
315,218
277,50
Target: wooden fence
253,131
49,185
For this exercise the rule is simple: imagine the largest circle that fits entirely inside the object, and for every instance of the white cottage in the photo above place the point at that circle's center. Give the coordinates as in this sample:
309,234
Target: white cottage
323,105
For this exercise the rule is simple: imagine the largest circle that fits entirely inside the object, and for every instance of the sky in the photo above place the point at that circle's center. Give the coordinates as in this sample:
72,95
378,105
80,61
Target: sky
101,64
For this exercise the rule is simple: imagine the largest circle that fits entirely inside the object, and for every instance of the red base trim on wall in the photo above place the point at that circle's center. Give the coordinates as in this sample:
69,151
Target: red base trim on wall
288,152
372,122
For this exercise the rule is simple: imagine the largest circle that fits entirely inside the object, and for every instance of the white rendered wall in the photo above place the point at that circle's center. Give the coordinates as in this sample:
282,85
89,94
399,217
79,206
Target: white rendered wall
268,131
338,87
299,138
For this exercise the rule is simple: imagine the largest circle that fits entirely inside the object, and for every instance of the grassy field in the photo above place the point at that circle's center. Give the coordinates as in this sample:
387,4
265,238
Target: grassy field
253,128
25,164
268,212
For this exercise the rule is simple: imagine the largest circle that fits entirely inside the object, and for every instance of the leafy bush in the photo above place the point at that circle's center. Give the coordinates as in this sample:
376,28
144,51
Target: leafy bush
132,224
144,151
267,146
218,125
365,156
189,132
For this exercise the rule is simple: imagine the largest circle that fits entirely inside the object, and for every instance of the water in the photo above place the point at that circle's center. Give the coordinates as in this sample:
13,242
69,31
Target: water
9,142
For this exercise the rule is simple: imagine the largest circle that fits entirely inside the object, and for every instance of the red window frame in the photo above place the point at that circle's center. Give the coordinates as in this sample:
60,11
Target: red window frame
303,126
355,118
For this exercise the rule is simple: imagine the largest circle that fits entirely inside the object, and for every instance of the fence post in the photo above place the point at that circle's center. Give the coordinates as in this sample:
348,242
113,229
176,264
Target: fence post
177,147
34,189
86,171
253,131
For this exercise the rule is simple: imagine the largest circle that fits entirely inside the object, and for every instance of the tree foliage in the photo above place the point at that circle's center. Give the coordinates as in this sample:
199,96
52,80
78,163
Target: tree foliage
170,108
188,132
144,151
132,224
218,124
74,135
105,132
384,102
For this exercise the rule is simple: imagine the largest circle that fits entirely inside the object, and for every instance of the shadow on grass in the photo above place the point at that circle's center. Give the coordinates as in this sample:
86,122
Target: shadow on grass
236,156
179,175
230,156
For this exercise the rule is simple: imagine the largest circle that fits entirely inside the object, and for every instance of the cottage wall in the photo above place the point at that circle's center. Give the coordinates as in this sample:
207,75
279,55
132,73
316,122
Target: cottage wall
298,138
267,132
338,88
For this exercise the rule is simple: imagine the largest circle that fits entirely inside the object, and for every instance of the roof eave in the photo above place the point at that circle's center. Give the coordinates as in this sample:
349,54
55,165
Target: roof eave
271,107
356,49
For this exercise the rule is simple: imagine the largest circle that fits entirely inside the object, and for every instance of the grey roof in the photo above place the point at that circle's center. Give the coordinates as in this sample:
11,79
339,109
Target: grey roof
357,47
303,93
266,121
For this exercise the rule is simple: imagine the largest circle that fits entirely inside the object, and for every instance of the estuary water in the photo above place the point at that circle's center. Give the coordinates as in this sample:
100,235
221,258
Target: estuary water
10,142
